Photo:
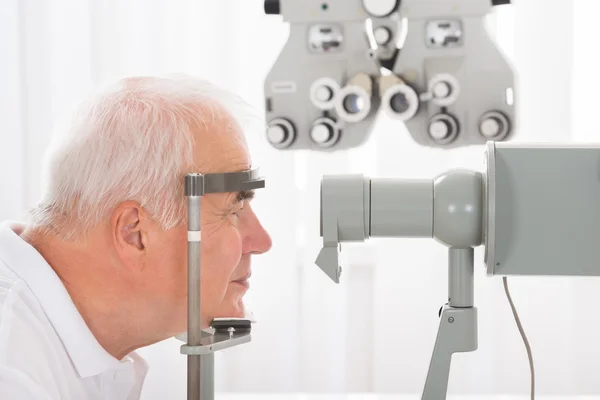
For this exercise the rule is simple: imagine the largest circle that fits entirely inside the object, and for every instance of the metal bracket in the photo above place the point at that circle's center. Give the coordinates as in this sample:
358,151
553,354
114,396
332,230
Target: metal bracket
215,342
457,334
201,184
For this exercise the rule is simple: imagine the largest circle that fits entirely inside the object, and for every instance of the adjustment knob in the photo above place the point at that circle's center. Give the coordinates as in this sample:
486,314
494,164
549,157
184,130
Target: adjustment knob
280,133
441,90
324,133
321,133
380,8
277,134
272,7
382,35
444,89
323,94
439,130
494,125
491,127
443,128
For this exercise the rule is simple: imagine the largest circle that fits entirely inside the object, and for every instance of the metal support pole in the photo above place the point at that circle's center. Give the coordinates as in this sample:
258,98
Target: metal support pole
207,376
461,277
198,388
457,332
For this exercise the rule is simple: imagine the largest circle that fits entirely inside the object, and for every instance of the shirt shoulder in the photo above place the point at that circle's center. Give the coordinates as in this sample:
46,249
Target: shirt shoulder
30,350
21,317
19,312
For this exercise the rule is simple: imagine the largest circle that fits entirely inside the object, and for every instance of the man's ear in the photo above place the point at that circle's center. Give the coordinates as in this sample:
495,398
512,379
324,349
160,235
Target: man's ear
128,234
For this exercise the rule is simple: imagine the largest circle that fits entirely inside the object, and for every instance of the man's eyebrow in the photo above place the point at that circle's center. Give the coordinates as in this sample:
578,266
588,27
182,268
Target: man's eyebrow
243,195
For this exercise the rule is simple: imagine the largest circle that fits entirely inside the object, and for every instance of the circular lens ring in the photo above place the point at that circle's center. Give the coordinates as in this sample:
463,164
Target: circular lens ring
340,100
411,97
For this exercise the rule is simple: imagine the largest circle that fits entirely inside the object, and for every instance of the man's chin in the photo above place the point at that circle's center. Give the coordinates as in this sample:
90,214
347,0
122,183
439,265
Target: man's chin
236,310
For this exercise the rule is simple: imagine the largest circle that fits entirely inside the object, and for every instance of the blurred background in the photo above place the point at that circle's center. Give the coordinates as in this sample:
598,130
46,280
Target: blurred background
374,332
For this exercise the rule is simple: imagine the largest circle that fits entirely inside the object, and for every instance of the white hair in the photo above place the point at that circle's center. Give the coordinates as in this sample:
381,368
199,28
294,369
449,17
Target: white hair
133,141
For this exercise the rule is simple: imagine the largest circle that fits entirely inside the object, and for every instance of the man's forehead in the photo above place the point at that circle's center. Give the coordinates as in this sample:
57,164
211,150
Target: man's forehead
228,167
223,155
220,148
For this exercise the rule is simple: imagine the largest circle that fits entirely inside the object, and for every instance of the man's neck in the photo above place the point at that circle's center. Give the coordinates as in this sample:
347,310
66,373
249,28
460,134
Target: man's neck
101,293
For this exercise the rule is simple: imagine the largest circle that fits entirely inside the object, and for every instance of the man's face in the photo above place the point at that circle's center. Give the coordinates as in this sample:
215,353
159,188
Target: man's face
231,233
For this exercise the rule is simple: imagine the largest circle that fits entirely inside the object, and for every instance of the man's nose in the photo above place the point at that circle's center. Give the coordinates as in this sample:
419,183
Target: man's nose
264,242
258,240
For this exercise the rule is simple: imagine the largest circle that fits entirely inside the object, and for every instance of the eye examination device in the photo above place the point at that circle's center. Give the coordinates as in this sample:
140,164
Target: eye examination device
433,66
534,208
224,333
429,64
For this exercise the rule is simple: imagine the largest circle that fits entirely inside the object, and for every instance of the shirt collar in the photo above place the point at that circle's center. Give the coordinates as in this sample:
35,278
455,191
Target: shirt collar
88,356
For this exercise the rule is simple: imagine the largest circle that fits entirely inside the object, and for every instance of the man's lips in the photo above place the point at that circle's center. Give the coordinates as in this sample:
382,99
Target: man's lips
244,279
245,284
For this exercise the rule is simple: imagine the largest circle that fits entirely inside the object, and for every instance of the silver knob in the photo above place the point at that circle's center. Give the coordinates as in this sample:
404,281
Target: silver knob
321,133
379,8
441,90
494,125
324,132
439,130
443,128
280,133
382,35
323,93
276,134
490,127
444,89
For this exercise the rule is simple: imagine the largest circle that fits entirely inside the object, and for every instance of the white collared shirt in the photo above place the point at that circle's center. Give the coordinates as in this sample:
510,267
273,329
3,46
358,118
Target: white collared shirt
47,351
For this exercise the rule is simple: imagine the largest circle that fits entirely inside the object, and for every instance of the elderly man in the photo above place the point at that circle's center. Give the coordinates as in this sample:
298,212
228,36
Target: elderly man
101,270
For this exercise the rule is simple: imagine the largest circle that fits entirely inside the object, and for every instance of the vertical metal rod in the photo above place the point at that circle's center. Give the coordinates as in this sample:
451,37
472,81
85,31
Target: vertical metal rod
207,377
194,281
193,192
461,277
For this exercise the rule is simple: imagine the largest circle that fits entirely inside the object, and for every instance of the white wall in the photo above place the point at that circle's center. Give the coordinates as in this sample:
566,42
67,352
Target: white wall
374,331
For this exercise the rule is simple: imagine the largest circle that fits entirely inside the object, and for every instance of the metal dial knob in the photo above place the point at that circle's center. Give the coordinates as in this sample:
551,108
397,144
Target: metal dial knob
321,133
443,128
281,133
277,134
494,125
324,132
379,8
